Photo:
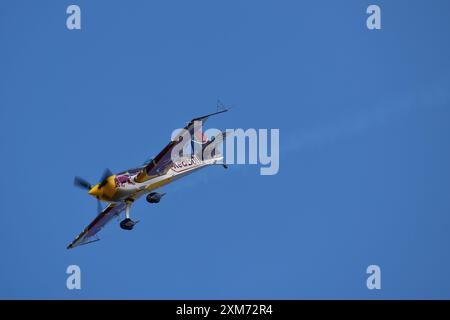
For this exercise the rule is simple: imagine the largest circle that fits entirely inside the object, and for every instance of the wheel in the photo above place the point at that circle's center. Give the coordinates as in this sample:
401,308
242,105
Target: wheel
127,224
153,197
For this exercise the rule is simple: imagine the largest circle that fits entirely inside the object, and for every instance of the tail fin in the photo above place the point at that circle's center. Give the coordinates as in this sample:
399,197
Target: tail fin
209,149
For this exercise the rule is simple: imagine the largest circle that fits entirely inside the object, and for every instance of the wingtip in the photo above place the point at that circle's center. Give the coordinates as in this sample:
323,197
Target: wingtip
211,114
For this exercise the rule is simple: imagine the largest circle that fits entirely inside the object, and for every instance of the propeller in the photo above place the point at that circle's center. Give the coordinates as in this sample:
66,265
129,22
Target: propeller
99,206
104,180
81,183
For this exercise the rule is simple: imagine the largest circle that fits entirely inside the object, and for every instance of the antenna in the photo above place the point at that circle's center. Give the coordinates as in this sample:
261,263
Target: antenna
220,106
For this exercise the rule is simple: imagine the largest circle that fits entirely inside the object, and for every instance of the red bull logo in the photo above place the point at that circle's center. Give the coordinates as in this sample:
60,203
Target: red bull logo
122,180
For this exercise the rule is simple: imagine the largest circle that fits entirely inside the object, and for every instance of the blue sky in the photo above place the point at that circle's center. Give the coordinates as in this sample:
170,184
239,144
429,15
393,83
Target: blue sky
364,147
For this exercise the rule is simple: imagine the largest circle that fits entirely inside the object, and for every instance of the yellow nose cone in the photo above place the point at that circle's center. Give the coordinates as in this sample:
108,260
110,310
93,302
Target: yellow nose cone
95,191
106,192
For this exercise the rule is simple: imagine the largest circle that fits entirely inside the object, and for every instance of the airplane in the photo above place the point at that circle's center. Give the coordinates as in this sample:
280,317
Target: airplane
122,189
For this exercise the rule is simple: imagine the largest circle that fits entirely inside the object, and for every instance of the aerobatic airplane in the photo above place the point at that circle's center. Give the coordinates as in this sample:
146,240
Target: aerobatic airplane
122,189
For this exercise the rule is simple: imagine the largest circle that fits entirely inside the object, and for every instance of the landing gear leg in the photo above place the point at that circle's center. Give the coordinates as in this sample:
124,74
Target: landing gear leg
127,223
127,211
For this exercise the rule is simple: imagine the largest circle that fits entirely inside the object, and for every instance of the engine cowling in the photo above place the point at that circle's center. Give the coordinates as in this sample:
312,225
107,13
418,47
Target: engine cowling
154,197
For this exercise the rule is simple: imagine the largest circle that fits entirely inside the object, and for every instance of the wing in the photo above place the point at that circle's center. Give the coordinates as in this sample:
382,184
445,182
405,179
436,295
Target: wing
88,234
163,160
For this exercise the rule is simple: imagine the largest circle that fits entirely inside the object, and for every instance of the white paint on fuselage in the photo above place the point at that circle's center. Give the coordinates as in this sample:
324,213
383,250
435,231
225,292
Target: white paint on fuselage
178,170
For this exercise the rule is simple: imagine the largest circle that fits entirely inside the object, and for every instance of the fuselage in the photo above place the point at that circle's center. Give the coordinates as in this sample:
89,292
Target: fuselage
124,187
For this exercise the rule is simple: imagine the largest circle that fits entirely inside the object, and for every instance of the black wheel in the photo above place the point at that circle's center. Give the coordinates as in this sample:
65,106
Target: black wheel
127,224
153,197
